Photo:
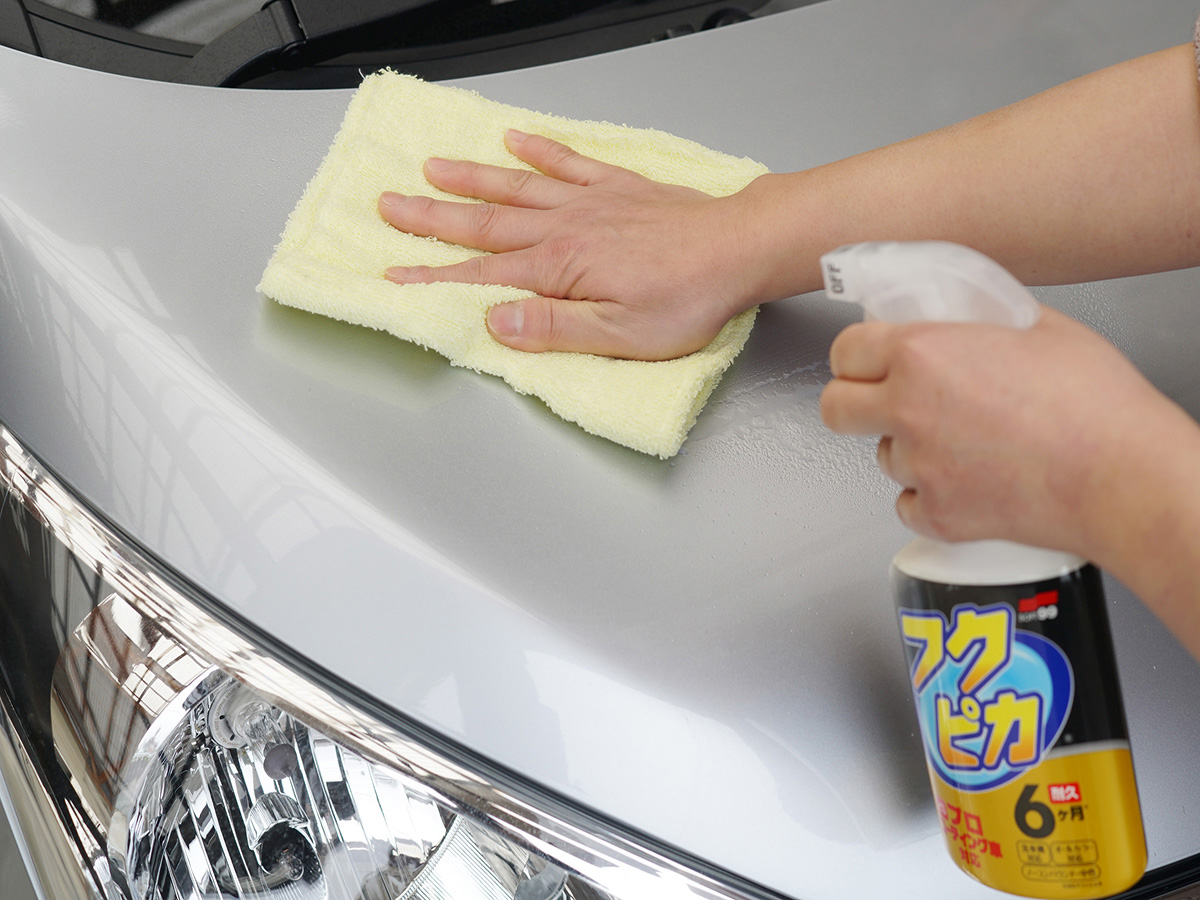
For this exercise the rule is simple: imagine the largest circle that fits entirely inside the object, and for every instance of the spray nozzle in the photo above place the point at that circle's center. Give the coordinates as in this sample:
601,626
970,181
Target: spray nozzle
932,281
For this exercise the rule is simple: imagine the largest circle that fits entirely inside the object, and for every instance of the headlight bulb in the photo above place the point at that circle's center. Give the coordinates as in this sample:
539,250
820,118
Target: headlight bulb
240,718
276,830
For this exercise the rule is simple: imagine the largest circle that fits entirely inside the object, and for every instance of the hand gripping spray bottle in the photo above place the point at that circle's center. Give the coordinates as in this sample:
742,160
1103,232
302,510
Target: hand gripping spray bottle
1009,650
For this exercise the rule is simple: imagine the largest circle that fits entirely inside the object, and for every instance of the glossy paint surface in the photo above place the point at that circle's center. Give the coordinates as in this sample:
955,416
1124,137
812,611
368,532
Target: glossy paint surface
704,648
14,880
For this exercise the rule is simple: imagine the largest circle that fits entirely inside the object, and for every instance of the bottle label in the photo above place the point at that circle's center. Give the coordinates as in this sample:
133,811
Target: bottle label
992,701
1025,738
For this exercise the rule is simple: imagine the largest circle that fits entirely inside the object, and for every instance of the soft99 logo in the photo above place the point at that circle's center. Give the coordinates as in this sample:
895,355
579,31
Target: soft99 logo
991,700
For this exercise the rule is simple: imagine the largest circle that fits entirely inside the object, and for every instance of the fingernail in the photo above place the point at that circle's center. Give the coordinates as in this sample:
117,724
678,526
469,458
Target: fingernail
516,136
506,319
404,274
437,165
390,199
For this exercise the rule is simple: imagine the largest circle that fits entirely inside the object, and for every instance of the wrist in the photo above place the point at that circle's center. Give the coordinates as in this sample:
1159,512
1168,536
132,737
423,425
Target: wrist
775,216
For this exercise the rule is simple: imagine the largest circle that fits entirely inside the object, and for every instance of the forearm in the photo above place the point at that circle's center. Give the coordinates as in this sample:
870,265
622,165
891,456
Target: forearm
1096,178
1144,521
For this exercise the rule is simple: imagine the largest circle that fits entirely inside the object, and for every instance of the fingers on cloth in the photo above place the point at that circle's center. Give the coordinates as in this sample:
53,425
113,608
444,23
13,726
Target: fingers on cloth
485,226
518,268
561,173
498,184
558,160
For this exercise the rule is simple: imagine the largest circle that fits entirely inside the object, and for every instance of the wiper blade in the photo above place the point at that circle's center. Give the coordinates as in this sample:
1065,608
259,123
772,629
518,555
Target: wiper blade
287,34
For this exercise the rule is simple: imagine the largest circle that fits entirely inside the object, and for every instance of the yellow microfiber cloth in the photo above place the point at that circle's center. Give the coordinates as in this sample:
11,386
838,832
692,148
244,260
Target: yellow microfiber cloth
335,248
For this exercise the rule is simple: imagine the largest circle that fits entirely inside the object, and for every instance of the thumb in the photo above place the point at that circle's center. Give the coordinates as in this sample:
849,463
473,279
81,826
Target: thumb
537,324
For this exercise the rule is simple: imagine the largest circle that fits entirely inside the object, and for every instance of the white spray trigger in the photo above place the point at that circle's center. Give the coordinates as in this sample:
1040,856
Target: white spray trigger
930,281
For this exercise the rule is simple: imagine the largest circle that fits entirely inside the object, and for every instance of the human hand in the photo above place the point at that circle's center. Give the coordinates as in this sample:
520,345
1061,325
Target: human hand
1032,436
624,266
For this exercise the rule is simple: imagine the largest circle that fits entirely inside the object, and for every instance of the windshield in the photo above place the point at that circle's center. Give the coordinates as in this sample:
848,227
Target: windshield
193,21
327,43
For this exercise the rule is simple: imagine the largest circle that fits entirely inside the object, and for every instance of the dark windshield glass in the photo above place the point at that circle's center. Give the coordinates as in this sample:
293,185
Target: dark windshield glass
436,22
193,21
333,43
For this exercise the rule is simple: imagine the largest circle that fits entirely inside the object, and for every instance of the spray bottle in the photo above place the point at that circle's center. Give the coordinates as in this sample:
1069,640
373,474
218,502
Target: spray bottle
1010,656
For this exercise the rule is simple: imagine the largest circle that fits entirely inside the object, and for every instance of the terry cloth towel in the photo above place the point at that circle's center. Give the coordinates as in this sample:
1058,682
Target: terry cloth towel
335,248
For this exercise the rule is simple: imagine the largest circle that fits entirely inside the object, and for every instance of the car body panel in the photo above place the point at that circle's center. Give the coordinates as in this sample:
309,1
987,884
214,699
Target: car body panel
14,877
703,648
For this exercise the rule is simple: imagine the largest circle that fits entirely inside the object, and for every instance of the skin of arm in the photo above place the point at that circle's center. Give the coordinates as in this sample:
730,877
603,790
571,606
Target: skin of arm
1048,437
1095,178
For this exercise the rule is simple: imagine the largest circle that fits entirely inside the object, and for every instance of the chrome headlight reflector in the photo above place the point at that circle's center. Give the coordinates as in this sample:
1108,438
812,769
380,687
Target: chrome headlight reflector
205,766
208,789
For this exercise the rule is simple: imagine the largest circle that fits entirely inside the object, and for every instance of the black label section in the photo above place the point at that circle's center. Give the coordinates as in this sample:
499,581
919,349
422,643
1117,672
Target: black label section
1070,611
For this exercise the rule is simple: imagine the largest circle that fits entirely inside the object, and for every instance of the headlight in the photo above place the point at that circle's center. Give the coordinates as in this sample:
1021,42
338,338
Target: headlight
208,789
191,763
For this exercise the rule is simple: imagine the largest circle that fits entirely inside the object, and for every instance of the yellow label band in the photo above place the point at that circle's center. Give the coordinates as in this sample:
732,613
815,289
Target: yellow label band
1069,828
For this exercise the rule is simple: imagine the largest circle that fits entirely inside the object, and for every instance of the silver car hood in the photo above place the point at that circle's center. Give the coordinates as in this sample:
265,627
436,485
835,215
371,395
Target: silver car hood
703,648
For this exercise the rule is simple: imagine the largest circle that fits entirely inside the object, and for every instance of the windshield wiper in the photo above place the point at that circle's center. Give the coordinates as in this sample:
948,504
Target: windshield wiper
289,34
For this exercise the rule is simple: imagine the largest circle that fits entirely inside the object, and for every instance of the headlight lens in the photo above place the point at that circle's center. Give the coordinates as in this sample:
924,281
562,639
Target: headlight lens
201,765
227,795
